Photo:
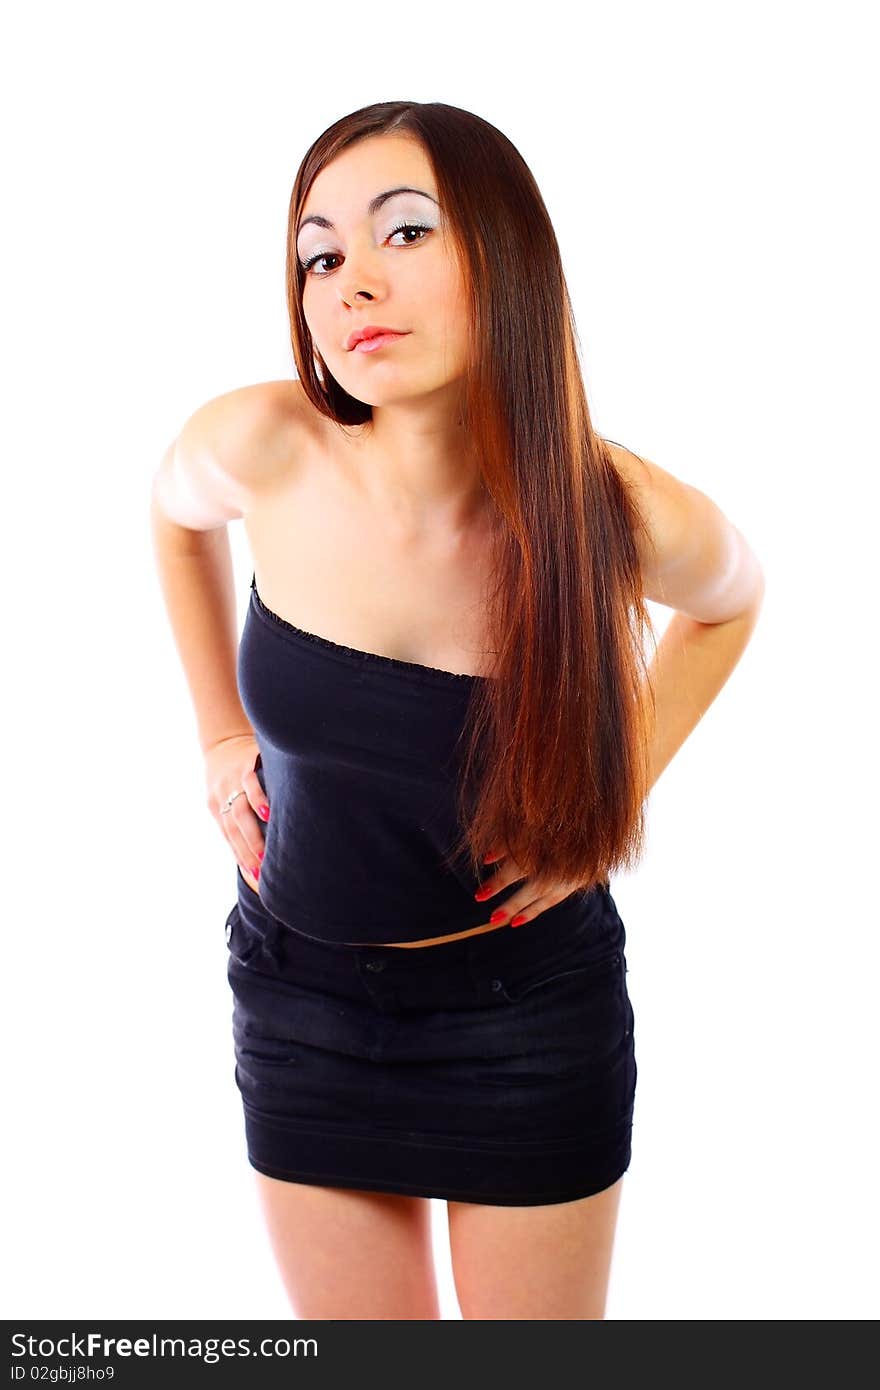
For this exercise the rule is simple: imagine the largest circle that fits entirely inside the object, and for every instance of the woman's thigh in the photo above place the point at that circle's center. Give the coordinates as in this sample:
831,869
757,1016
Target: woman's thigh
347,1254
522,1262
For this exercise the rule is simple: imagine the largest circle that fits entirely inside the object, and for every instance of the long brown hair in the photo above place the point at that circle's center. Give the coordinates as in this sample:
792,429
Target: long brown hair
559,738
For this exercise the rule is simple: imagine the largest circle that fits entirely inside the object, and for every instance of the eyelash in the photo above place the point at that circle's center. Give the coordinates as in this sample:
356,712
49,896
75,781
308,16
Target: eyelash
329,255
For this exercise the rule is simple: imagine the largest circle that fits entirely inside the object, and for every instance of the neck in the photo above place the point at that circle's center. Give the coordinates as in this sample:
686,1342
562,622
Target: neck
413,467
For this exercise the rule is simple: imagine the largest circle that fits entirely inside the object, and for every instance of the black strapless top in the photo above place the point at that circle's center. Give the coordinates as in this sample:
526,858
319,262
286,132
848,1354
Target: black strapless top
359,756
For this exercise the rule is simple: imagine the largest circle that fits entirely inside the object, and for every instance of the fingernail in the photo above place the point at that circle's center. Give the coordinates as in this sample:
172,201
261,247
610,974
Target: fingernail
518,920
256,871
482,893
264,812
499,915
262,854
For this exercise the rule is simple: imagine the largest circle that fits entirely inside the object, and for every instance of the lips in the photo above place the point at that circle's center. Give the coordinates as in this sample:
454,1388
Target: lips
371,330
375,344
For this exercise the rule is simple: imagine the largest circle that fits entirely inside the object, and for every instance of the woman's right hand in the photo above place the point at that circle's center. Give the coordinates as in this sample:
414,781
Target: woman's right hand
229,767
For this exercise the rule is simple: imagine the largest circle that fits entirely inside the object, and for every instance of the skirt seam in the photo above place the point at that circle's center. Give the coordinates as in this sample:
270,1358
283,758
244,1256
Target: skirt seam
446,1191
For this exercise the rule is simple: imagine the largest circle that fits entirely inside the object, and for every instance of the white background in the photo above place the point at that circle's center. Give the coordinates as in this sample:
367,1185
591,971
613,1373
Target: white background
710,173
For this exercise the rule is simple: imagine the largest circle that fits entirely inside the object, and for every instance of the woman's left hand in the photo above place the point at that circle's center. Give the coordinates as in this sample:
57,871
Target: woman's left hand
529,901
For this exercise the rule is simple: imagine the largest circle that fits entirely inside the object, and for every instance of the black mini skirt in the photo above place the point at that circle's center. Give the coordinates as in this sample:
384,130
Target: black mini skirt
499,1068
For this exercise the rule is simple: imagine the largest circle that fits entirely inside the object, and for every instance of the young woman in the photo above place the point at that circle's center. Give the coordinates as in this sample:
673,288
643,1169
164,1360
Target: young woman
434,740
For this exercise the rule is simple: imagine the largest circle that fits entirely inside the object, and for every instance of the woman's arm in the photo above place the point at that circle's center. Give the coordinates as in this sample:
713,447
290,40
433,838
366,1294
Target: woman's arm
699,564
205,480
195,572
692,662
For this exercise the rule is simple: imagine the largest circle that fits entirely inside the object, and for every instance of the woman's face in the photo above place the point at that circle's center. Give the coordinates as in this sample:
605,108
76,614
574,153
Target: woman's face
364,270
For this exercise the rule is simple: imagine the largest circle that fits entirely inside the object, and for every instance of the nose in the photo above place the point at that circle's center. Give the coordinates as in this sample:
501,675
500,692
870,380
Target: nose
359,276
355,290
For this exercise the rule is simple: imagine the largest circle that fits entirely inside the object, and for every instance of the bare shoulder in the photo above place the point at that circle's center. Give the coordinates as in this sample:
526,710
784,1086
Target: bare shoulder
693,557
663,501
230,449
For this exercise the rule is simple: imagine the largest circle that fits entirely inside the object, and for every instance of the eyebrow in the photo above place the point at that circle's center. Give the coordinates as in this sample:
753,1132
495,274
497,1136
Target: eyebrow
372,207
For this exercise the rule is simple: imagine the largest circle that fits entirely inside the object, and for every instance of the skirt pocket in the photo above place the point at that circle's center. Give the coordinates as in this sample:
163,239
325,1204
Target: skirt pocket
515,988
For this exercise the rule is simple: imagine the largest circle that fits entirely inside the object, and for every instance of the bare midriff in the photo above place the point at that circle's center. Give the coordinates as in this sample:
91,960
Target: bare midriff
431,940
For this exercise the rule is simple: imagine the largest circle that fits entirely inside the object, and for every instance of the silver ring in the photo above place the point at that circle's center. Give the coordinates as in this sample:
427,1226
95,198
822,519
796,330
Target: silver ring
228,804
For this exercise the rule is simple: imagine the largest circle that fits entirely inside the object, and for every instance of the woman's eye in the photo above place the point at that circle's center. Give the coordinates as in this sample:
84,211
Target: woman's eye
322,256
331,255
410,227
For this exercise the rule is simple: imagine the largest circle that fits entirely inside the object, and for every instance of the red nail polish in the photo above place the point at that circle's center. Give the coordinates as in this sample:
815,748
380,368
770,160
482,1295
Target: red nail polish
518,920
261,853
264,812
498,915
